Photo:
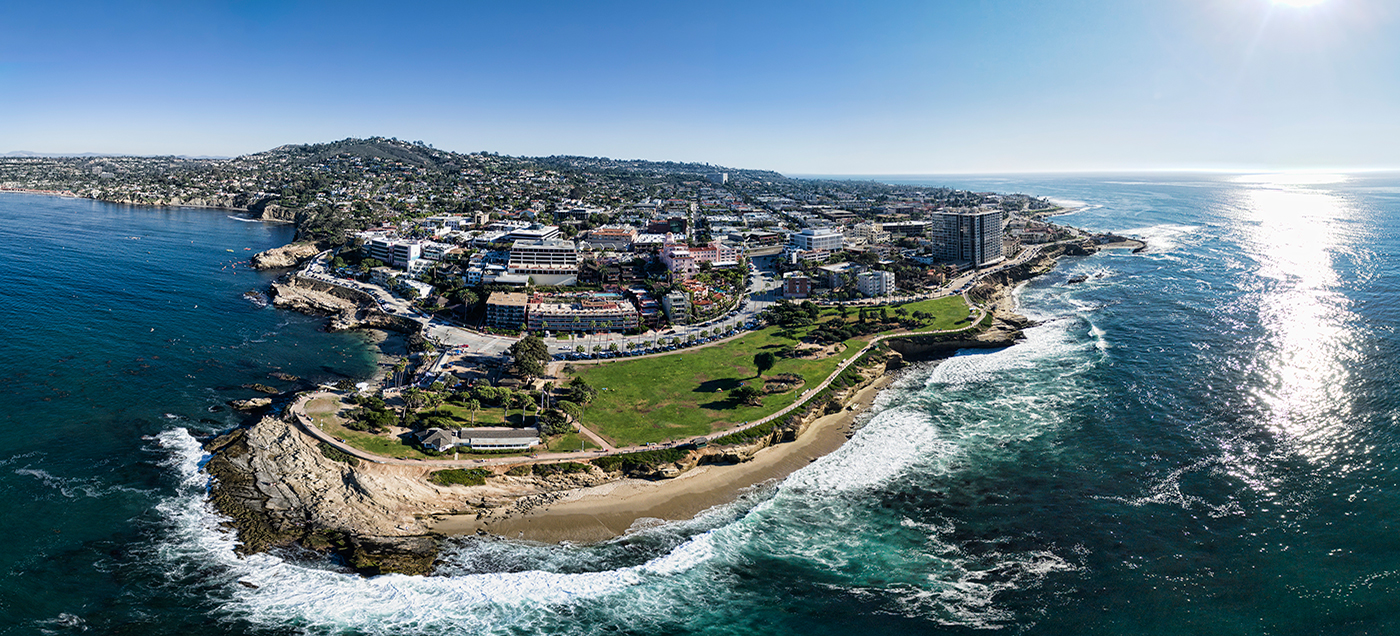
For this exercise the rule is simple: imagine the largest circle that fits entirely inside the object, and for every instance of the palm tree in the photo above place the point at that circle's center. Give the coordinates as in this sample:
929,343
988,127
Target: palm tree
472,405
413,397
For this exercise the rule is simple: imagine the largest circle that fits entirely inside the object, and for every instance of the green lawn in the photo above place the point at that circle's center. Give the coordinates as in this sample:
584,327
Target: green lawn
685,395
950,312
485,416
571,442
323,412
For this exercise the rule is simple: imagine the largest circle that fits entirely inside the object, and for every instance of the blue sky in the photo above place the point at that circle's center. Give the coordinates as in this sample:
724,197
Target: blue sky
801,87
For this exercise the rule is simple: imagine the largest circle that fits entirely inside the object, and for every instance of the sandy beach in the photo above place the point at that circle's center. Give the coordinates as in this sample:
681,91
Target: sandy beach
602,512
390,348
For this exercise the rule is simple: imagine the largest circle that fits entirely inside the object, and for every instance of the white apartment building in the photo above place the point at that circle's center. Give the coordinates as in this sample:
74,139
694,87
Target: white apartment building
872,284
549,262
394,251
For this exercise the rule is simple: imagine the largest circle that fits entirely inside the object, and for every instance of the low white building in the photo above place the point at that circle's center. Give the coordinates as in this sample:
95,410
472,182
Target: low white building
482,438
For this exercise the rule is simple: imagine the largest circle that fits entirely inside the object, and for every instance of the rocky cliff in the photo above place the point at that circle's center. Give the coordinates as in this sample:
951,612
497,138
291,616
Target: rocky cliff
279,489
289,255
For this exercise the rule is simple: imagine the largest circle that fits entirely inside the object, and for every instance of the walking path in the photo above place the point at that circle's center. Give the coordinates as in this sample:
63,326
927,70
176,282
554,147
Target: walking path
298,407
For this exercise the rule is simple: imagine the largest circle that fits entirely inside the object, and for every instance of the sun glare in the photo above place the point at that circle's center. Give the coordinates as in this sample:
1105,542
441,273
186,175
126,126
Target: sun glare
1299,3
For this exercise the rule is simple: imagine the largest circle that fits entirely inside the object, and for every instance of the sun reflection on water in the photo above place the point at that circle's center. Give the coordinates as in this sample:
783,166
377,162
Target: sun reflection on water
1295,232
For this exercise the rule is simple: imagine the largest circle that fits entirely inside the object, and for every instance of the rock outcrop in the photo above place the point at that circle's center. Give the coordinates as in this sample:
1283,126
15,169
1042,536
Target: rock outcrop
289,255
348,308
278,488
251,404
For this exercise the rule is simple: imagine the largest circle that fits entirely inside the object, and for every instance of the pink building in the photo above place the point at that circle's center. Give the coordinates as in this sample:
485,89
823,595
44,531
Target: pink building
684,261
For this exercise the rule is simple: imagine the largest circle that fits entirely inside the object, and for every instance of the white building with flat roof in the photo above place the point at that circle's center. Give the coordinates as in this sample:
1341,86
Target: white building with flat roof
534,233
818,238
394,251
549,262
872,284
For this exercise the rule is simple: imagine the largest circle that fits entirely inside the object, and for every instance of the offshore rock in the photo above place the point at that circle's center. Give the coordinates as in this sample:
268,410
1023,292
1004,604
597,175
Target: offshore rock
251,404
289,255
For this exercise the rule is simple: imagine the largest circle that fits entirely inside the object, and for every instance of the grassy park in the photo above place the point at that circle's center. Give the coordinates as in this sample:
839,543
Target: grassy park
324,412
685,394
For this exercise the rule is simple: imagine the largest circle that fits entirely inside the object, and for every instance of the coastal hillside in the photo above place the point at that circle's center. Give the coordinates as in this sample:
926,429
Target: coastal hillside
330,190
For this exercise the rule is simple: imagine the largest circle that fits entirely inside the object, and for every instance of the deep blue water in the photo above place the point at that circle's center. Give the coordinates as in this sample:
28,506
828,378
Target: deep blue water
1201,438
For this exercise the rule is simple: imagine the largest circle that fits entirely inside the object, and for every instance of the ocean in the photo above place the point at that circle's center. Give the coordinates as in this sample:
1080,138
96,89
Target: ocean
1200,438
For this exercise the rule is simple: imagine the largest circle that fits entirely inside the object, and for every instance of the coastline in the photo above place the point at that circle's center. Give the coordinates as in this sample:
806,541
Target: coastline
396,523
599,513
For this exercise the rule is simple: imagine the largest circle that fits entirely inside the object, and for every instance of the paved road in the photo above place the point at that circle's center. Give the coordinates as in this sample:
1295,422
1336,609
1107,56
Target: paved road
298,410
492,343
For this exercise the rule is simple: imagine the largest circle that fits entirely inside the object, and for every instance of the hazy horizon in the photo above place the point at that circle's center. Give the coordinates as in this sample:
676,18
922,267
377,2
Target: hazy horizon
811,88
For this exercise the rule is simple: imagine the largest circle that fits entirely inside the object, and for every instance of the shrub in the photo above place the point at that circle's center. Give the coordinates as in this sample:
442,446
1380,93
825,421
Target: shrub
460,477
643,459
520,470
336,454
562,468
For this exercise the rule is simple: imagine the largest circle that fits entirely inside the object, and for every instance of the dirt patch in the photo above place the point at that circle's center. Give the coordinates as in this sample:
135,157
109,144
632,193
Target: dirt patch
810,351
322,406
782,383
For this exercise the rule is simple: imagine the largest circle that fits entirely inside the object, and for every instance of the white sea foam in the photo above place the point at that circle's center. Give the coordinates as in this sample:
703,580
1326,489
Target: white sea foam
817,517
74,487
267,589
1163,237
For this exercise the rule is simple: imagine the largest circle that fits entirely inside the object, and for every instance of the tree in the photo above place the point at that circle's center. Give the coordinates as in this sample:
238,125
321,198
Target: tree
581,392
472,405
413,397
763,361
529,368
530,354
572,409
553,422
746,394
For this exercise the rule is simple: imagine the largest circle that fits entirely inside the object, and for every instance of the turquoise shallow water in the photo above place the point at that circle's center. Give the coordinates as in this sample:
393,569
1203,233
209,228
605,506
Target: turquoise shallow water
1199,439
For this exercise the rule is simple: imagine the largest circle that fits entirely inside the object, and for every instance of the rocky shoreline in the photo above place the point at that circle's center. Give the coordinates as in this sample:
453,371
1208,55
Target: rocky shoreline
279,488
347,308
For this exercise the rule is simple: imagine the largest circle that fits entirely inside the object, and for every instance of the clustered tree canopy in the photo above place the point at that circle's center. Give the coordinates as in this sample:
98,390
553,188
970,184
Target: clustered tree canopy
750,395
788,314
530,355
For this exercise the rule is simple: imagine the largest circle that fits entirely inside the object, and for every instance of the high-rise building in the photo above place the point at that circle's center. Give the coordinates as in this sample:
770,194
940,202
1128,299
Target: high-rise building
968,237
